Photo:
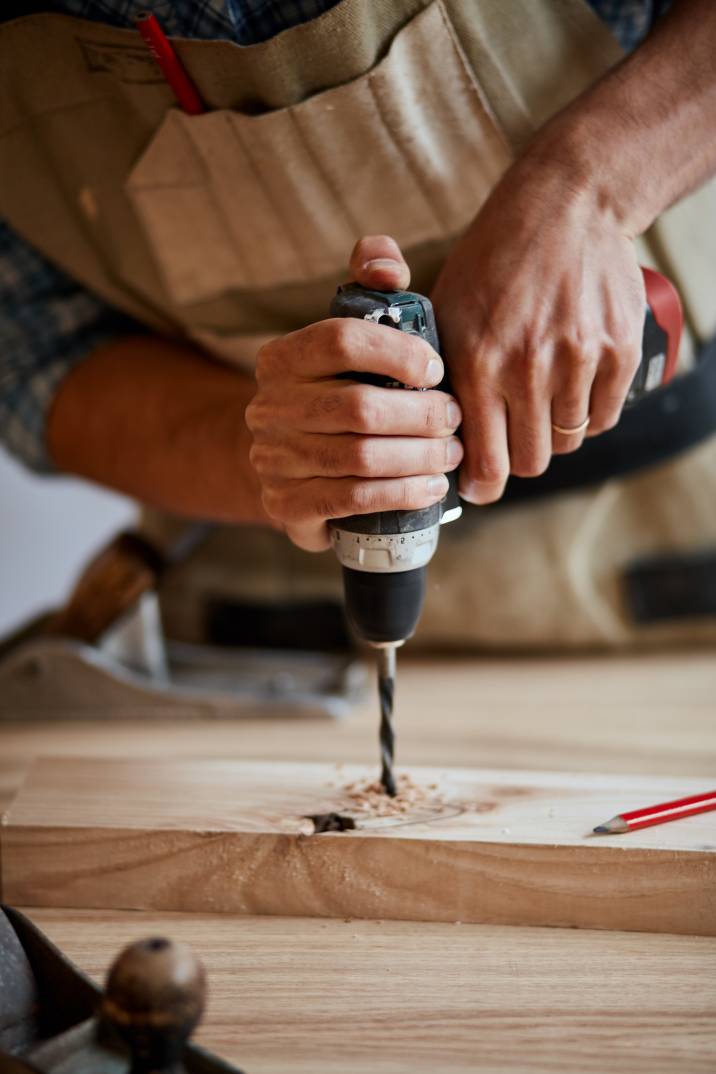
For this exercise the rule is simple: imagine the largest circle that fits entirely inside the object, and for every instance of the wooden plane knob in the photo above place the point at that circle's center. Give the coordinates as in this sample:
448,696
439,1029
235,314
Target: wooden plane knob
154,998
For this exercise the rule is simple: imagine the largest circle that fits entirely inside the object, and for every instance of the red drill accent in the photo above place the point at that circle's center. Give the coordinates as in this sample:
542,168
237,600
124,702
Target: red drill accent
663,298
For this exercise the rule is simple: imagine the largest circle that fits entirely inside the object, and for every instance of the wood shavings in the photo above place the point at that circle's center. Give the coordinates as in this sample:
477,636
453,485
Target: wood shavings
368,796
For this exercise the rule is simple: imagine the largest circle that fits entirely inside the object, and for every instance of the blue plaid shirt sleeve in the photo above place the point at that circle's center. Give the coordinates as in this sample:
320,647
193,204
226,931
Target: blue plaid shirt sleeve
630,20
48,323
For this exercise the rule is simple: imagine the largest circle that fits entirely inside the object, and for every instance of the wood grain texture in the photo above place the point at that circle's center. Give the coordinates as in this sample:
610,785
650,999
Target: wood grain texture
479,846
310,996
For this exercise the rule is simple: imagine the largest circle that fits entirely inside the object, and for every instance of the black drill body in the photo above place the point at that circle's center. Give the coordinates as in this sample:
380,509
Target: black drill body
384,592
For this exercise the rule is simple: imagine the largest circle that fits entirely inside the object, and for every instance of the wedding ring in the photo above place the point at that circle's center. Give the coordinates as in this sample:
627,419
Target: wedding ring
571,432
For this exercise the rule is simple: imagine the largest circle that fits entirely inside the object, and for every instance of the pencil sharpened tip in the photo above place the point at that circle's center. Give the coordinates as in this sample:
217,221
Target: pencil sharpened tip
615,826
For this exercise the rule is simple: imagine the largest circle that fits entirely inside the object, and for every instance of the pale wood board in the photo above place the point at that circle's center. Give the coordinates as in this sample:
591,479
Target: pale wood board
322,996
479,846
310,996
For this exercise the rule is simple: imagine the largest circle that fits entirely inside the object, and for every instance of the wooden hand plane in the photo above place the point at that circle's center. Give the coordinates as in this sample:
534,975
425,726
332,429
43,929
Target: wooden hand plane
54,1020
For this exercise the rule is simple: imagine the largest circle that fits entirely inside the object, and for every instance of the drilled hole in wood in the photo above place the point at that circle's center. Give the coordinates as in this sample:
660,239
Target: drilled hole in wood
330,822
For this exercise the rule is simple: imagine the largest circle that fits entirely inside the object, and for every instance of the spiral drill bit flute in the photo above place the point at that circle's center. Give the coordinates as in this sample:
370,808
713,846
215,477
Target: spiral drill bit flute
386,690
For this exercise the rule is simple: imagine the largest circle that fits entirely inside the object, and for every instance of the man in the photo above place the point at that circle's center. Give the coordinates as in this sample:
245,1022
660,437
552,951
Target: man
540,302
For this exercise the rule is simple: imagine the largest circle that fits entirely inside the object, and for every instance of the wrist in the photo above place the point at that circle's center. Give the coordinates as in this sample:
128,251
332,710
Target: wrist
586,166
555,184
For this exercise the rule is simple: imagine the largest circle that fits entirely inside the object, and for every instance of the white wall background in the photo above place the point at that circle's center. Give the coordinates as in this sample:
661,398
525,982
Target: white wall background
48,528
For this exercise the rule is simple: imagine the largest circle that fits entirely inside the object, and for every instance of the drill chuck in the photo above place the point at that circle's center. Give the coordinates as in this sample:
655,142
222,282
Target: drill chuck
384,609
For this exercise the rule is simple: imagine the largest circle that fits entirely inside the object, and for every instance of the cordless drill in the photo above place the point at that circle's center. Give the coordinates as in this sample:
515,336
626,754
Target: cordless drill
385,555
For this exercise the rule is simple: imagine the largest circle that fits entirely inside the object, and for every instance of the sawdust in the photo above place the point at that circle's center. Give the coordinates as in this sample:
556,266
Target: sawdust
368,796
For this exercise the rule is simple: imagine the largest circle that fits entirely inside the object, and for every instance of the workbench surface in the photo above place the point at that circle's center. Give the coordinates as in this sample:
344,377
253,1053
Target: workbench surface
293,996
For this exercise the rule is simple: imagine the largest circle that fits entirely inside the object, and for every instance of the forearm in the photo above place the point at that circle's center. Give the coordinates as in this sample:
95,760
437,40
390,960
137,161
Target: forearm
643,137
152,419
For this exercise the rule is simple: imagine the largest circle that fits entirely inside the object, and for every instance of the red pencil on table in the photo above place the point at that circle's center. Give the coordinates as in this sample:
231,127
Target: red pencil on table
172,68
658,814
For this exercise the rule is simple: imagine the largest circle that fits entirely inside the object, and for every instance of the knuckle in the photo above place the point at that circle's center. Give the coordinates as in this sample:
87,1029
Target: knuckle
361,498
363,457
580,361
365,411
325,459
620,363
254,415
345,338
488,469
322,405
258,459
531,372
625,329
250,416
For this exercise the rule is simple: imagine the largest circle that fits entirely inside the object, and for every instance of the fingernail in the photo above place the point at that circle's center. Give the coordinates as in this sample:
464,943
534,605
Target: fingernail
454,416
438,485
476,493
434,371
383,263
454,452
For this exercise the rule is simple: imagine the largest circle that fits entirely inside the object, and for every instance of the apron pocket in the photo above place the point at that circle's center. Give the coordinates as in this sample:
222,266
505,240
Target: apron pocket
235,202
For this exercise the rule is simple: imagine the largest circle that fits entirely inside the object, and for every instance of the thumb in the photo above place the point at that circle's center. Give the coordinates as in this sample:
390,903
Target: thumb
377,262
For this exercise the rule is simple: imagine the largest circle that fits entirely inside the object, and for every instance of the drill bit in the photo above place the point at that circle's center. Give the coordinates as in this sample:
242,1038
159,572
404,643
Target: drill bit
386,687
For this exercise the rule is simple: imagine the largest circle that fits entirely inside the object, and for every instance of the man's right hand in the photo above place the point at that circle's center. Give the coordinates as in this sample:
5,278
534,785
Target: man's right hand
325,447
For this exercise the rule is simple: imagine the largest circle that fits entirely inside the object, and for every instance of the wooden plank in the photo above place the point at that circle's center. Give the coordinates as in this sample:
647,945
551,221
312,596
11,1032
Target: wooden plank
311,996
475,846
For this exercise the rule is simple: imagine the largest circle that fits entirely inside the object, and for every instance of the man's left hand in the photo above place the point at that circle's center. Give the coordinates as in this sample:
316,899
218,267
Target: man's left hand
540,309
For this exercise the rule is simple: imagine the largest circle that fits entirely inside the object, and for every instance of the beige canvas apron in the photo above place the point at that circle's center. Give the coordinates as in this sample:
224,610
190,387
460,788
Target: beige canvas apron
234,226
